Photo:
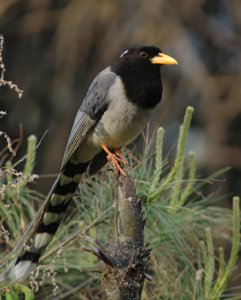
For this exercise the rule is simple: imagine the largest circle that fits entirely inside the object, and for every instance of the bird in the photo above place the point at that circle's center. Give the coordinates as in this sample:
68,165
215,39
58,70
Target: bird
115,110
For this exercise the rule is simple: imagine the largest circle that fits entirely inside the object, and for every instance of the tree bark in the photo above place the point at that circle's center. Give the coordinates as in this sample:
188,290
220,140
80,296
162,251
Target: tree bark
125,257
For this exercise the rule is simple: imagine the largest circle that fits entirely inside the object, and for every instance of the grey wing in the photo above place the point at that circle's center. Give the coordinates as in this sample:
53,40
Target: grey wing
90,111
82,124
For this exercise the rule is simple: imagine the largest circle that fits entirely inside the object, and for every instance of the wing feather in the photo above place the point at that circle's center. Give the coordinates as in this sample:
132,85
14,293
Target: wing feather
82,124
91,110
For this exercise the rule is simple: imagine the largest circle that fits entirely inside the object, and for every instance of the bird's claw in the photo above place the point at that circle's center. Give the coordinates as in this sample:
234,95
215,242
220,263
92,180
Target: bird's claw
116,163
116,160
120,157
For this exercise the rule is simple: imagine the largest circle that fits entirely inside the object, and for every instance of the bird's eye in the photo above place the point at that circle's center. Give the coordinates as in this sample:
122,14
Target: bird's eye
143,54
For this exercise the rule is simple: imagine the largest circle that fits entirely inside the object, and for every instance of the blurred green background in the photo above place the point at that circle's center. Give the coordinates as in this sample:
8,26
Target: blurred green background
53,49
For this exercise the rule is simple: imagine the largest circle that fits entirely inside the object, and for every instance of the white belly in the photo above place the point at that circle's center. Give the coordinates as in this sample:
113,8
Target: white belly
122,121
120,124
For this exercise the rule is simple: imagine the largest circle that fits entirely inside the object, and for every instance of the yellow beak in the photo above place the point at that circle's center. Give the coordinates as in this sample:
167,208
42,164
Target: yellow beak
163,59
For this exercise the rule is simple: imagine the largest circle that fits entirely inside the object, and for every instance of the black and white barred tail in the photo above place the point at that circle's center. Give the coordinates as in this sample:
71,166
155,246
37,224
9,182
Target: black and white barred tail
47,220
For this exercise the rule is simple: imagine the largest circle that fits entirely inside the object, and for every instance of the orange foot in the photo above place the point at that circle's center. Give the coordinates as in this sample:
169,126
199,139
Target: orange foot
115,159
120,157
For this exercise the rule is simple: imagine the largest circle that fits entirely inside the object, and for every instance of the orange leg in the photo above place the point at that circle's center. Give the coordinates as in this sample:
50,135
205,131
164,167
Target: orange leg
120,157
115,159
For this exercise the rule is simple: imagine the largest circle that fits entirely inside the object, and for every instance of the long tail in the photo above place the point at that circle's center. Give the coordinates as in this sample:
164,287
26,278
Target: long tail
42,229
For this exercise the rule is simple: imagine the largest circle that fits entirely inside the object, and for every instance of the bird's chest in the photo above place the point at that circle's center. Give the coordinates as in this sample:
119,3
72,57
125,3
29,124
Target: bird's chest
121,122
120,125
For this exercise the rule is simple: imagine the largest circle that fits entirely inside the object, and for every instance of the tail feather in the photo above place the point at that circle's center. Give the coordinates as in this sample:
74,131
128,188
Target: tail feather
47,221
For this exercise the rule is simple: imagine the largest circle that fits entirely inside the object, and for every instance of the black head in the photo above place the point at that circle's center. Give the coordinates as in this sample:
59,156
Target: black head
139,69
